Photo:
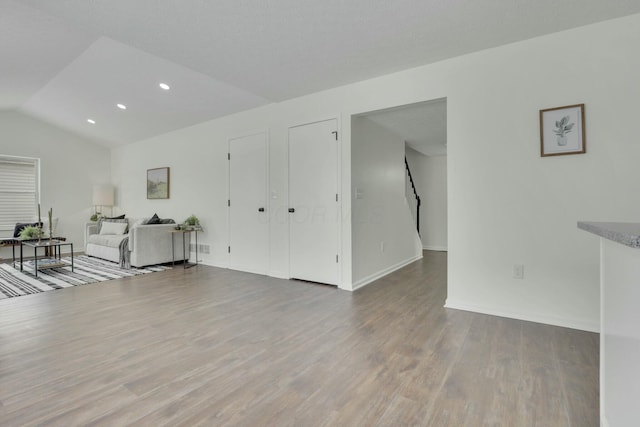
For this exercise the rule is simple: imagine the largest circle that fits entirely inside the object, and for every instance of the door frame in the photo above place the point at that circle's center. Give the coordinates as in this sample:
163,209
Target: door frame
339,227
267,135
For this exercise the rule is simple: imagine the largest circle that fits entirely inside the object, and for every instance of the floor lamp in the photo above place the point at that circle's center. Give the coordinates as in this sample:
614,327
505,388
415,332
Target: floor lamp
103,197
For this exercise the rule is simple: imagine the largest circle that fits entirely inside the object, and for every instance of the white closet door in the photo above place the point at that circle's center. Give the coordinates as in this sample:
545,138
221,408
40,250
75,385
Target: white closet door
313,207
248,215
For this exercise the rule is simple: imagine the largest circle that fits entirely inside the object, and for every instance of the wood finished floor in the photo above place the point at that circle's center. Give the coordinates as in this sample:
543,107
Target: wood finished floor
215,347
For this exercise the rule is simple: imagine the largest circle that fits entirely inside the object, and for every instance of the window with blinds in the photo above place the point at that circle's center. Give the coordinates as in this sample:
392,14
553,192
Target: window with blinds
19,188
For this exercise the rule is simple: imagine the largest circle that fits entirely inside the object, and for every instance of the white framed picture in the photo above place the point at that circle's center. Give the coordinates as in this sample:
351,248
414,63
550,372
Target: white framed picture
158,183
562,131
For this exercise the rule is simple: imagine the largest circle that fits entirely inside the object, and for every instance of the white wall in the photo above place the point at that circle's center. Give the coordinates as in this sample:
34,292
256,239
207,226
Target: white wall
506,204
430,177
383,232
69,166
197,157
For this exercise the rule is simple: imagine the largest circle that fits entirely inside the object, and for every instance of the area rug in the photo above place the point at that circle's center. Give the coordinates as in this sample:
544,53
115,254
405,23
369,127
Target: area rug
15,283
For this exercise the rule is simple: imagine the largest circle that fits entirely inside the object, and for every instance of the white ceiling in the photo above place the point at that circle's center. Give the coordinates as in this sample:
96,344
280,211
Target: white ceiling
423,126
68,60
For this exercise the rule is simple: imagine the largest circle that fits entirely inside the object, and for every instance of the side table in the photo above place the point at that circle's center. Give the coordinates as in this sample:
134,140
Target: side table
184,246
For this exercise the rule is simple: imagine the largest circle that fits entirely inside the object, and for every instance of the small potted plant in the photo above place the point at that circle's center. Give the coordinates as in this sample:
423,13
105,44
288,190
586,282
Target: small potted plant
191,223
31,232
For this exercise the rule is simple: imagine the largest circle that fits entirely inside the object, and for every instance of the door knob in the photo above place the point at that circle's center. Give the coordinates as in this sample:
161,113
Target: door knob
292,210
260,209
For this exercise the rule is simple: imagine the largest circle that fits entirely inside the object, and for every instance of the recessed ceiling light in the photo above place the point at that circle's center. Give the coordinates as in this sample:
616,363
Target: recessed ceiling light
164,86
122,106
93,122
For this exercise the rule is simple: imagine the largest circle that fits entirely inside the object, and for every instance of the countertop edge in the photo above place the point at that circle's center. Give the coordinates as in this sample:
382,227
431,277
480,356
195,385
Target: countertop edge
625,233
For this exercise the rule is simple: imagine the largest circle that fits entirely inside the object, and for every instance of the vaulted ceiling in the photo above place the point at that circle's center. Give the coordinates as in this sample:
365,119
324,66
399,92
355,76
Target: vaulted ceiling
67,61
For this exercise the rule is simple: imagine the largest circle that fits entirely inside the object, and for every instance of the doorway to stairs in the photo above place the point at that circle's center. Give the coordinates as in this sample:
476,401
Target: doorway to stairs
385,145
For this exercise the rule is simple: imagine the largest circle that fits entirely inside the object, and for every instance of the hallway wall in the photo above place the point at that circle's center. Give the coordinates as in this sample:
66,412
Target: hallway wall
383,233
430,176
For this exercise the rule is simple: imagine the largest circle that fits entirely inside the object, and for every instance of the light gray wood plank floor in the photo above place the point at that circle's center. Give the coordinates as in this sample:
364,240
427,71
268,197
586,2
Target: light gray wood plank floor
214,347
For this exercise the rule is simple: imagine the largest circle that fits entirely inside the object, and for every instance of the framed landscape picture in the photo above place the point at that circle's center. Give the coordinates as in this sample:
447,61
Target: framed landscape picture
158,183
562,131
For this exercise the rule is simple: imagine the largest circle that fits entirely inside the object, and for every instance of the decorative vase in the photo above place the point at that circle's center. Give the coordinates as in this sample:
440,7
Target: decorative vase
562,140
50,213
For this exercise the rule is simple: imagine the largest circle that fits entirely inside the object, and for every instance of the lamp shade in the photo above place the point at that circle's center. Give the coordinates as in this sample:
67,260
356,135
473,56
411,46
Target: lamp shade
103,195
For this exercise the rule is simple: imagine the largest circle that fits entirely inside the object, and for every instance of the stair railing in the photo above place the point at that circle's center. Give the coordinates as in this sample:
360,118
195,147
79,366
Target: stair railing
415,195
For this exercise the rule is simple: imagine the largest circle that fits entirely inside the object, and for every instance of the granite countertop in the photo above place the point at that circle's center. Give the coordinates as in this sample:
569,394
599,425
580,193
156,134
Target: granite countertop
626,233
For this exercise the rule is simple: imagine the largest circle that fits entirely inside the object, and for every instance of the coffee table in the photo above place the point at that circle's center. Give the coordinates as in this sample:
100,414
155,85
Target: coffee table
14,241
52,247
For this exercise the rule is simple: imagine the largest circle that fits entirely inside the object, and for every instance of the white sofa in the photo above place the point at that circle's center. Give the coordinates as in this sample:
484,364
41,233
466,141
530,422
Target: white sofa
148,244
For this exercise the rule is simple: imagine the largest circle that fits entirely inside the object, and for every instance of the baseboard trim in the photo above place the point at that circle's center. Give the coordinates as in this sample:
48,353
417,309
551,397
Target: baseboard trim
529,317
375,276
212,264
279,274
434,248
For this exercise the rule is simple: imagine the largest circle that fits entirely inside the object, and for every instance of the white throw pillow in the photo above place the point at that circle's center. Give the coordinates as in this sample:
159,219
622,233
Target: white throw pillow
113,227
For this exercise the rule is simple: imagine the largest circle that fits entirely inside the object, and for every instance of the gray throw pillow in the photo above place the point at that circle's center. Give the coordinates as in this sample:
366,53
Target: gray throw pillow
154,220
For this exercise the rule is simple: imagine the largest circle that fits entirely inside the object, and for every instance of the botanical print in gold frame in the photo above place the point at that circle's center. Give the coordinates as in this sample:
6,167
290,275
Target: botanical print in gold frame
562,131
158,183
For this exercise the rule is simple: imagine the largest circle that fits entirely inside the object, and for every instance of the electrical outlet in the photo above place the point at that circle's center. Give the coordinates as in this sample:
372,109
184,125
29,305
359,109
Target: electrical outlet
382,246
518,271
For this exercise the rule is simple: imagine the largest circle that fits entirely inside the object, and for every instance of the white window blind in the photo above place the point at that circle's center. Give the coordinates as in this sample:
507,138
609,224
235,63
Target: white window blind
18,190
